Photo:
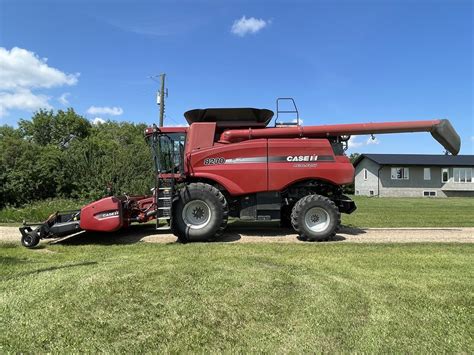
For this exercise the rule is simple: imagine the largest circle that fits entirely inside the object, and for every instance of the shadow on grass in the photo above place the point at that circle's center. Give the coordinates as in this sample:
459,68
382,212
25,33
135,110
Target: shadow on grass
130,235
351,230
235,231
51,268
9,260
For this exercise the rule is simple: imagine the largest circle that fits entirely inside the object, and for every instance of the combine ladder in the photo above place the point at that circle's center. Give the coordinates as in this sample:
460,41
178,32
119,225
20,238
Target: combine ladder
164,197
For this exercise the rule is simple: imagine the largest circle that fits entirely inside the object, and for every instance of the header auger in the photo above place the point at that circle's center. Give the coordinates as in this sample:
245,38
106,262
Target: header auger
228,163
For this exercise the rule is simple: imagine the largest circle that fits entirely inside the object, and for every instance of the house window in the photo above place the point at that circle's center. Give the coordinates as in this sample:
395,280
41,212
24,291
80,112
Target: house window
445,175
400,173
429,193
427,173
365,174
357,192
371,192
462,174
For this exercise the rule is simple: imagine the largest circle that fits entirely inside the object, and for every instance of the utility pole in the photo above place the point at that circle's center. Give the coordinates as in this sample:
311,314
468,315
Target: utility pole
160,97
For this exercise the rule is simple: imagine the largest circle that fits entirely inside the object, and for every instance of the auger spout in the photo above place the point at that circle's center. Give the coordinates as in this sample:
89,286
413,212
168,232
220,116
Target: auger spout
441,130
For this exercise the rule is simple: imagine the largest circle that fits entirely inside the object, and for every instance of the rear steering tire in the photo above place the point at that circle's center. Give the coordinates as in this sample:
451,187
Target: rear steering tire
200,213
315,218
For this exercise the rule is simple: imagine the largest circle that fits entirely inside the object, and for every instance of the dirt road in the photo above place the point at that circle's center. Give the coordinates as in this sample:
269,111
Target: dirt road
252,233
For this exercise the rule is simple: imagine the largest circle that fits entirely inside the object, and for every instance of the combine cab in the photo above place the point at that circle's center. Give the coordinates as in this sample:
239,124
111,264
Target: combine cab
229,163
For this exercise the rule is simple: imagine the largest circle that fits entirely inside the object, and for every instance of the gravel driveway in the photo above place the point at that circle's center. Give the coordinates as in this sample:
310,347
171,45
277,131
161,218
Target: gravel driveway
252,233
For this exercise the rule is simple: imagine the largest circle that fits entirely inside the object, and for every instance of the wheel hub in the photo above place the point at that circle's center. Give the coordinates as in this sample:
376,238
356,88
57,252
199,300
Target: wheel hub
196,214
317,219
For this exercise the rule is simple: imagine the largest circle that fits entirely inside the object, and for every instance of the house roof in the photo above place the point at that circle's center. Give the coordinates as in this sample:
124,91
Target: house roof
418,159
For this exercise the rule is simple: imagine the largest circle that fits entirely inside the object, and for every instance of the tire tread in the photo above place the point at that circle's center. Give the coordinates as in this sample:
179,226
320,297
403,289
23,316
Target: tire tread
200,186
296,211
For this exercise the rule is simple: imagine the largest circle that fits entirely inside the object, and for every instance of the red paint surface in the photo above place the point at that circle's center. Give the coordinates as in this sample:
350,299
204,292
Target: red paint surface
283,174
243,177
238,179
90,215
200,136
236,135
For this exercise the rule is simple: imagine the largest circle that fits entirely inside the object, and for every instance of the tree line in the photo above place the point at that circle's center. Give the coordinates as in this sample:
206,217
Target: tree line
61,154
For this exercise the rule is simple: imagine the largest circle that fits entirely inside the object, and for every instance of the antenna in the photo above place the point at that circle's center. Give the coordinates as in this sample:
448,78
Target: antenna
160,96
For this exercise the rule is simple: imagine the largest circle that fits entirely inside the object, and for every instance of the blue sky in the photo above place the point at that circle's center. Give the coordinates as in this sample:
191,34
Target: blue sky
342,61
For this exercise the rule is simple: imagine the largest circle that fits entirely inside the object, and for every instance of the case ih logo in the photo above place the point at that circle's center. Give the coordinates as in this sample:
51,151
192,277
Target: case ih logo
299,158
109,214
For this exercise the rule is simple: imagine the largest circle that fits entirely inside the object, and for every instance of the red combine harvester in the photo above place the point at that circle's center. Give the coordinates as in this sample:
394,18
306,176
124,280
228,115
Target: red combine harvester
228,163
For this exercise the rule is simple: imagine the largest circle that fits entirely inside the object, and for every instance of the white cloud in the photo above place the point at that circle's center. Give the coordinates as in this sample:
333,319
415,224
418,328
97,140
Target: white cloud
112,111
245,25
22,100
375,140
21,72
22,69
177,125
98,120
354,142
299,121
63,98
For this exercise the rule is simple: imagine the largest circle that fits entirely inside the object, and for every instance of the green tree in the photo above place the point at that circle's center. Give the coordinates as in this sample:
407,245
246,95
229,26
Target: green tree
59,129
38,129
62,154
353,157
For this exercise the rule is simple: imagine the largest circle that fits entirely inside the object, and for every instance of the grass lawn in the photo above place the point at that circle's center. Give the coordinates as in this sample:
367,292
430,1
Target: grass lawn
371,212
237,297
388,212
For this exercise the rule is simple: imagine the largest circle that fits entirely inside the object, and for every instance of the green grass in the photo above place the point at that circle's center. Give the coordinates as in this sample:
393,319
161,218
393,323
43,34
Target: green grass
38,211
237,298
411,212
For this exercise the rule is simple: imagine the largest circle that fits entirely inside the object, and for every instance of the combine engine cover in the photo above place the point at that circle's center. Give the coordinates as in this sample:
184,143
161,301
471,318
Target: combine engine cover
104,215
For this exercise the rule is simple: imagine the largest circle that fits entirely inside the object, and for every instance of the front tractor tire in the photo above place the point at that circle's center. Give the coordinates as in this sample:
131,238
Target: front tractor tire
315,218
199,214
